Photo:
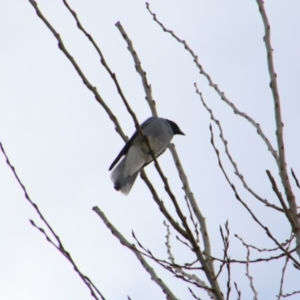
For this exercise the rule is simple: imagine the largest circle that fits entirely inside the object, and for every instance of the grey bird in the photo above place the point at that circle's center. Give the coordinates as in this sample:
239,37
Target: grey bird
137,155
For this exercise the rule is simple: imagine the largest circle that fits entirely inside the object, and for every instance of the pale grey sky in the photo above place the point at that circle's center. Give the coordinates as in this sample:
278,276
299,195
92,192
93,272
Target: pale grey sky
61,141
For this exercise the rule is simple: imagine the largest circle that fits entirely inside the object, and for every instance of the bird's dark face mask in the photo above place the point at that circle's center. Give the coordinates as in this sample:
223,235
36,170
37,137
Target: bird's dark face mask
175,128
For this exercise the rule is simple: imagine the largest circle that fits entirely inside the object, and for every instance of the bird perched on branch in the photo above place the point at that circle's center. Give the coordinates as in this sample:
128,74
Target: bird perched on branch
137,155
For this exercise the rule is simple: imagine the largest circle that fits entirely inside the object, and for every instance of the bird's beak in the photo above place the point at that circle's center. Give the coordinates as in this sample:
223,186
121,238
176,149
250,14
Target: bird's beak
181,133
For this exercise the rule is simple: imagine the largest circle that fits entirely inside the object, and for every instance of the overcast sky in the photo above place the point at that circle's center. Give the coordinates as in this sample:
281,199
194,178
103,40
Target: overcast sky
61,141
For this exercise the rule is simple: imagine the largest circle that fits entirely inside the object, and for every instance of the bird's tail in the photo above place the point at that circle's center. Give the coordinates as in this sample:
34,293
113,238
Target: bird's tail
122,183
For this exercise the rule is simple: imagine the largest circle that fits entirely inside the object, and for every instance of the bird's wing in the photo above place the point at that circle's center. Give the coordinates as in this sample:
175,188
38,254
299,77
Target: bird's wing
134,160
128,144
122,152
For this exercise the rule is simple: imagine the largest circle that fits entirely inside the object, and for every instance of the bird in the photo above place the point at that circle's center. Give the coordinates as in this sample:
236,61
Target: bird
137,155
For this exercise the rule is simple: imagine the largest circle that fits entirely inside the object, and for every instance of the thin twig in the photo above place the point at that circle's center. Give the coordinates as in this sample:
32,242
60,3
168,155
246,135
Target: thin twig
194,222
295,178
225,259
258,260
291,294
264,249
250,277
279,196
193,294
283,272
67,255
226,250
168,243
165,264
238,291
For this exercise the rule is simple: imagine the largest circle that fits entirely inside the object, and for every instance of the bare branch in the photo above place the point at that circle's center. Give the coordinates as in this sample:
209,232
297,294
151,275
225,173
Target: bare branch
132,247
86,82
168,243
177,269
162,207
195,246
279,196
233,163
166,264
193,294
258,260
98,50
191,277
266,229
139,69
60,247
163,263
67,255
290,294
279,125
189,194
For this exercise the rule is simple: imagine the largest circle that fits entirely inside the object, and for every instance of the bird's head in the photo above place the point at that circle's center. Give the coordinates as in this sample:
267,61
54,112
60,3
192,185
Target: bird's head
175,128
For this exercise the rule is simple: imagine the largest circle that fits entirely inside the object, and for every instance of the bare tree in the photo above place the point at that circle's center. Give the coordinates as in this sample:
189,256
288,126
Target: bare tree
204,274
